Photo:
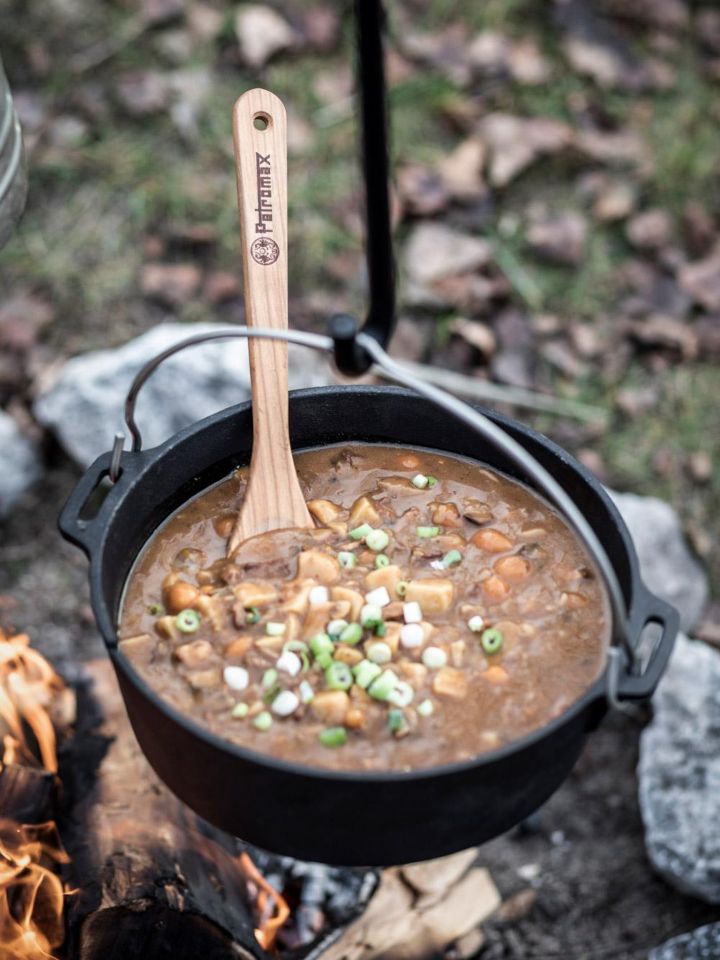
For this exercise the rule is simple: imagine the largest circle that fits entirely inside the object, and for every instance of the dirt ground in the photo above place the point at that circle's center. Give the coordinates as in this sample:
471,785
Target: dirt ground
576,882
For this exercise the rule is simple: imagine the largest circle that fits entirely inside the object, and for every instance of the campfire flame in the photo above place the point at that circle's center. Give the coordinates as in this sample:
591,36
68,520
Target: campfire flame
271,908
31,893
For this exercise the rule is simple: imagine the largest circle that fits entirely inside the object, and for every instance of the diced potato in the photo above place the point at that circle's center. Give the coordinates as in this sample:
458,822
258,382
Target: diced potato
364,511
325,511
428,630
355,718
169,580
434,596
495,674
414,673
167,627
271,645
318,566
318,617
180,596
395,483
296,596
349,655
491,541
339,527
387,577
202,679
573,601
139,647
449,682
330,706
239,646
194,654
392,636
445,515
255,594
495,589
513,568
353,597
457,652
477,511
214,609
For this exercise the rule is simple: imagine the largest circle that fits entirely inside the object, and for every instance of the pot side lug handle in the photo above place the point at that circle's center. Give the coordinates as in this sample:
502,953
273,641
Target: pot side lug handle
79,520
650,609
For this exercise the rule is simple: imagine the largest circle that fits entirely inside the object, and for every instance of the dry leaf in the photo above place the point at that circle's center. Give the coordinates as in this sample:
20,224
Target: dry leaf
261,33
559,239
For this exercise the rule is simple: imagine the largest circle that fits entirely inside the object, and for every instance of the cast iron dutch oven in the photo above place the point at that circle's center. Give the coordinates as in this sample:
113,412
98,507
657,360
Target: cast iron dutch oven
352,818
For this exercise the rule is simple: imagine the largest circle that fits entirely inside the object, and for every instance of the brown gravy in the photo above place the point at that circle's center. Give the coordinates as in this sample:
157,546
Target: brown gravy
507,619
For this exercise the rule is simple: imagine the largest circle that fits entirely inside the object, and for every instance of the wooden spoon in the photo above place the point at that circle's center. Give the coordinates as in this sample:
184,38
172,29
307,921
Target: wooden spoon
273,499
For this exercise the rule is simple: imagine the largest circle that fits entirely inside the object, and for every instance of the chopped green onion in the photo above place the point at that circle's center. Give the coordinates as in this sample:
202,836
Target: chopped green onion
427,533
187,621
359,533
338,676
346,559
270,678
491,640
401,587
380,630
239,711
333,737
296,646
365,672
432,481
252,615
426,708
452,558
263,721
307,694
371,615
324,660
156,609
285,703
434,658
382,560
274,629
381,688
420,481
402,695
377,540
352,634
396,721
378,652
476,623
320,644
336,627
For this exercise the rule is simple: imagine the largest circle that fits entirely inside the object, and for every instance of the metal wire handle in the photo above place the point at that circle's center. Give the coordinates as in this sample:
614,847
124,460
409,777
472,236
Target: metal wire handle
457,408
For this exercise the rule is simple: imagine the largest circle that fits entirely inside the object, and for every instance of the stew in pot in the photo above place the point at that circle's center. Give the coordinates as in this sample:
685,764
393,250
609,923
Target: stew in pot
439,610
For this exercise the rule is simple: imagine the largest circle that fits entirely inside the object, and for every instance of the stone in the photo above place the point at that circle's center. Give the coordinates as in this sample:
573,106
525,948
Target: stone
20,463
84,407
700,944
679,773
650,230
666,564
559,239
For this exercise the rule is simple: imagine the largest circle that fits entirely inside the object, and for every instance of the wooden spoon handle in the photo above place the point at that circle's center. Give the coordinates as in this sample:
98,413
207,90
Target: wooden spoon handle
273,498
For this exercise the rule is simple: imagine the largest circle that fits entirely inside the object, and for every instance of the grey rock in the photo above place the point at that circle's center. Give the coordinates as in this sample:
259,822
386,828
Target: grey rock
700,944
666,564
84,407
20,463
679,772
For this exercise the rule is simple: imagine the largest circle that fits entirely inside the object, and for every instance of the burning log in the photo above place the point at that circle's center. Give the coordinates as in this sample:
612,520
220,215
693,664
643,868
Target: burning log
153,880
32,700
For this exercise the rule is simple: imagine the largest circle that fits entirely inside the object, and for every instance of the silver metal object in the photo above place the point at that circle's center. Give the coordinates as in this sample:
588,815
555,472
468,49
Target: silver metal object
13,178
457,408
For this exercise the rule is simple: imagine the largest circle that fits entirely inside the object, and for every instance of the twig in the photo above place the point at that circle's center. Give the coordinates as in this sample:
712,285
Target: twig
498,393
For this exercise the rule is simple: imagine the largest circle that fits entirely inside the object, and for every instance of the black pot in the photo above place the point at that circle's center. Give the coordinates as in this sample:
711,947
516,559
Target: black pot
346,817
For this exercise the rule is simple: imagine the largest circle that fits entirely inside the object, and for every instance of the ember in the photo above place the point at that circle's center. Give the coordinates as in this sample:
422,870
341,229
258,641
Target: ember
32,695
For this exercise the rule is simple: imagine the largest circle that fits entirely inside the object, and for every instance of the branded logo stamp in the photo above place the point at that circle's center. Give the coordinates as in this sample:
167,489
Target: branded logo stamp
264,250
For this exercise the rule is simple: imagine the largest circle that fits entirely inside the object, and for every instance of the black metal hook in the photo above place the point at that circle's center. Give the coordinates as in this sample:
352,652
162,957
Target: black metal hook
350,358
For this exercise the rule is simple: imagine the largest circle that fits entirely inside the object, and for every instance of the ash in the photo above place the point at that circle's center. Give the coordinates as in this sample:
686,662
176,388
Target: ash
323,899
